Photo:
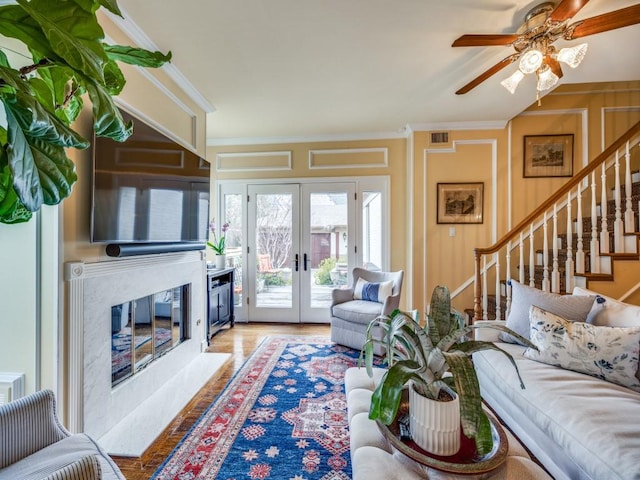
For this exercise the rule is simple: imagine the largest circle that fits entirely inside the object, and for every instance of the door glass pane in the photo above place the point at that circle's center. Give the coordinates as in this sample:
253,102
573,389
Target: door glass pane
329,243
232,207
372,230
274,229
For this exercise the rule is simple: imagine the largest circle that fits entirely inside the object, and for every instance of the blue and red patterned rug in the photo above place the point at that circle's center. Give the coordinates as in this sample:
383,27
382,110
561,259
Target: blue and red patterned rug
282,416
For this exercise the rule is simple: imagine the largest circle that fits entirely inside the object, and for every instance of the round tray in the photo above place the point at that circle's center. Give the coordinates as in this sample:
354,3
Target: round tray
466,461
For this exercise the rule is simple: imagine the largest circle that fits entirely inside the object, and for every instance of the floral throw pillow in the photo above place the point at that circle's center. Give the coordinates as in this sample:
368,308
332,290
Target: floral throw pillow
609,353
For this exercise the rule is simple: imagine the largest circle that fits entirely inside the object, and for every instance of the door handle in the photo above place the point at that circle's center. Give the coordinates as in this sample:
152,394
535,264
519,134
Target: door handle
305,259
297,261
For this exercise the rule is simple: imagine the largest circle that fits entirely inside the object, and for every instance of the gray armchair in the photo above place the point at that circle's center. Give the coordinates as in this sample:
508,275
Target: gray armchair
350,317
34,445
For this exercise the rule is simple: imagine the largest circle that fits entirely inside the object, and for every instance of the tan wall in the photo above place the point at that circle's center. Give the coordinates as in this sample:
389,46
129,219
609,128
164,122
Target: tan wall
367,158
590,112
421,246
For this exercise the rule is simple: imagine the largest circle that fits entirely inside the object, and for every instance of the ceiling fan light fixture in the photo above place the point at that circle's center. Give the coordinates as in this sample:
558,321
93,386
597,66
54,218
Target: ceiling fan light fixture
546,79
572,56
531,61
512,82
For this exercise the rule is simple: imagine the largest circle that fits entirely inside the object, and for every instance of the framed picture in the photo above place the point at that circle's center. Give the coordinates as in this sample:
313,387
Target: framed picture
548,156
460,202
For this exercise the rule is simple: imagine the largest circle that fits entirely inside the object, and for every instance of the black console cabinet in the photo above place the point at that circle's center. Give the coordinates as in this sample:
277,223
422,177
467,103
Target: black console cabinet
219,300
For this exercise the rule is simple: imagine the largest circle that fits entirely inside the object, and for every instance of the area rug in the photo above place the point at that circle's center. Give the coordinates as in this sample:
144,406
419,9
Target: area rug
282,416
121,346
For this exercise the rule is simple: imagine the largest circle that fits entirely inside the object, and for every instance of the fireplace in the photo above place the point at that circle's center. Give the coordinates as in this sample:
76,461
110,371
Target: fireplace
97,406
145,329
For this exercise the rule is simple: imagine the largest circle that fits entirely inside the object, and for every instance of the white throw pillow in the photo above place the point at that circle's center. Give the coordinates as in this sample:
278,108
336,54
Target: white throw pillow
574,308
372,291
611,312
608,353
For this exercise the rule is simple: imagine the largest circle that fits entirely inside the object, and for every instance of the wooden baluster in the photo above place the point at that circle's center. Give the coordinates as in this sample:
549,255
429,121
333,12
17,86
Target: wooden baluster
580,266
498,286
618,225
568,269
545,256
604,223
532,259
629,214
595,247
555,271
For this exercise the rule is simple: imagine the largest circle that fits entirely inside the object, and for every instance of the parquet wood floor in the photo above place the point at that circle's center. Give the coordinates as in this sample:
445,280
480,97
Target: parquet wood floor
240,341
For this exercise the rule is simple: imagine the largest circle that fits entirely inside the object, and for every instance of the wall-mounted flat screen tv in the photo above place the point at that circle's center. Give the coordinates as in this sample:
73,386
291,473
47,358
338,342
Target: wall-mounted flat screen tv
149,189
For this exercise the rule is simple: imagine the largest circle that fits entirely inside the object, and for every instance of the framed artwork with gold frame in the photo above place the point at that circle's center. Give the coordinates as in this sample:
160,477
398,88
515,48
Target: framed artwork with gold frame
548,156
460,202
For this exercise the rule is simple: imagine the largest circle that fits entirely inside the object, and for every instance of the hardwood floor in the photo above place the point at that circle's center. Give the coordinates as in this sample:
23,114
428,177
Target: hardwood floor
240,341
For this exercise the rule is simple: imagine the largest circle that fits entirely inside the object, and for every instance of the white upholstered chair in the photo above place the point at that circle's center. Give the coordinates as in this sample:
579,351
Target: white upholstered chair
35,445
351,316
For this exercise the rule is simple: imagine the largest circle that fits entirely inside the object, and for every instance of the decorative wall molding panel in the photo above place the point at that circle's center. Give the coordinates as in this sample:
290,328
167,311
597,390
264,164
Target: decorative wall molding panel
253,161
349,158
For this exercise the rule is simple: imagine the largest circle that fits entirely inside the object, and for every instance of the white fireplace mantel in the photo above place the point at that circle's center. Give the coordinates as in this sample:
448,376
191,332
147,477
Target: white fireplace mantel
94,406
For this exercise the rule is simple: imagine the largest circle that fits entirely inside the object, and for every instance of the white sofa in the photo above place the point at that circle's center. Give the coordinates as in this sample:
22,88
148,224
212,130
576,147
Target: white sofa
578,426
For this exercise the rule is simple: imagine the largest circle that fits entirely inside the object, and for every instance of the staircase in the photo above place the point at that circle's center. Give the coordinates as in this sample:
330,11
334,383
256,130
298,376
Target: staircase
559,245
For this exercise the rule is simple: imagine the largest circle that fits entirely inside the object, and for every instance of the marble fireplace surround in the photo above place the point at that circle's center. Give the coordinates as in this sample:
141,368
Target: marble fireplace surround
94,406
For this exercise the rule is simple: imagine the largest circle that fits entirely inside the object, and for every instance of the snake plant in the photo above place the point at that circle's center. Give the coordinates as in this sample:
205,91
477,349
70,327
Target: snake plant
433,357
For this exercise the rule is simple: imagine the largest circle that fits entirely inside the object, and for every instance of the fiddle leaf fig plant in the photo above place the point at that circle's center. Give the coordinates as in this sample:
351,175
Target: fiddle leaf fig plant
65,58
433,357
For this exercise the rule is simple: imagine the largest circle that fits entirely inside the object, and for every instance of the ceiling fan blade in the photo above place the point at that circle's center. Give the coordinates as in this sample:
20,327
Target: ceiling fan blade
567,9
492,71
554,65
481,40
605,22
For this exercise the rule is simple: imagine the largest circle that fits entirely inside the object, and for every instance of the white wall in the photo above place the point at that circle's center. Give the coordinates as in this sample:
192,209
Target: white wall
18,296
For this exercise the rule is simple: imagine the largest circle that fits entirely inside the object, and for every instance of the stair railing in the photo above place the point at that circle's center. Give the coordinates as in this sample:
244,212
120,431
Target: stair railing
567,201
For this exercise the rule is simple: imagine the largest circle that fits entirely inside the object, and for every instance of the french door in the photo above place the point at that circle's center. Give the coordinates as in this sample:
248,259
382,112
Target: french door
300,246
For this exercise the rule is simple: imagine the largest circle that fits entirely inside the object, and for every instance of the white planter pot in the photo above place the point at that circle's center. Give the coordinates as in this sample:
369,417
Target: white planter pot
221,261
435,426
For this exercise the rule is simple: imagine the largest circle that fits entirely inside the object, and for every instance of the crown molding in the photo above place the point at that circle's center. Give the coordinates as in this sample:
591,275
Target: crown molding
479,125
133,31
346,137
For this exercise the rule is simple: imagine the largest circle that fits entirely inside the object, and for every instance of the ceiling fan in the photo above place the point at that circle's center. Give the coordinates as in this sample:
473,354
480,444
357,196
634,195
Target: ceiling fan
533,42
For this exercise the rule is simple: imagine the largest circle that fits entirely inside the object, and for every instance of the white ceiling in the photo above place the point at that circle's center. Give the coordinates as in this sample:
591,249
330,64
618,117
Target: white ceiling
286,69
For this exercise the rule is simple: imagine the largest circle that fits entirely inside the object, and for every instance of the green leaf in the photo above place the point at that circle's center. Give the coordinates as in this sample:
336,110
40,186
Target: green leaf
472,416
23,166
42,173
43,93
58,80
13,78
137,56
16,23
112,6
57,172
113,78
107,121
67,93
37,122
11,210
73,33
386,397
4,61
